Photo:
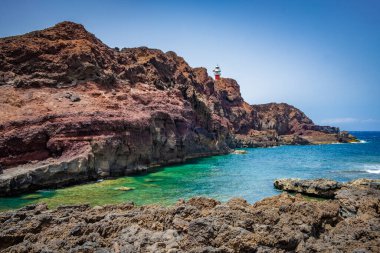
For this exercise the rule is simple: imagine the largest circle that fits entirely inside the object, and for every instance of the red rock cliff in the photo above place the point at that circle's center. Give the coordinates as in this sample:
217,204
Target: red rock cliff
74,110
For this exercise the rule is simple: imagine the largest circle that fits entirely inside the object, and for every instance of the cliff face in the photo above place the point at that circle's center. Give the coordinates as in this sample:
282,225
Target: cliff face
74,109
282,124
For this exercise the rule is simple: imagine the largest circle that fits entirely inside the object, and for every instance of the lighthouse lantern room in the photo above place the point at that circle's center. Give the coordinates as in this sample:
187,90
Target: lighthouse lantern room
217,72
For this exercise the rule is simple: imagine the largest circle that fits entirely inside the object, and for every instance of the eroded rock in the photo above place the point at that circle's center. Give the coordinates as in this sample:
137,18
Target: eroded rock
324,188
282,223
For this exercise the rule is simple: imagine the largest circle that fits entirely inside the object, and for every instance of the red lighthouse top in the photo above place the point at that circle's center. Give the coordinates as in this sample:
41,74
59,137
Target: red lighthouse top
217,72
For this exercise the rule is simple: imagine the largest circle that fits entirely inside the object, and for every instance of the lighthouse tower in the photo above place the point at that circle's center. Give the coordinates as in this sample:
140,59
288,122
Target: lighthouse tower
217,72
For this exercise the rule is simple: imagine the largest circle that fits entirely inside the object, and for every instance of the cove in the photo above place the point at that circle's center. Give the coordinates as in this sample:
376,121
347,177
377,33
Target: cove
249,176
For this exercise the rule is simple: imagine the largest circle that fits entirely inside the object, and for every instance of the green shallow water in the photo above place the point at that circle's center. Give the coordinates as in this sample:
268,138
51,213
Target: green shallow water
160,186
249,176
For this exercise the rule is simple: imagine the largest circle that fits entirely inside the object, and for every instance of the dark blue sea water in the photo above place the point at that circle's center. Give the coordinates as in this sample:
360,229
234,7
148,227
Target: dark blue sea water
249,176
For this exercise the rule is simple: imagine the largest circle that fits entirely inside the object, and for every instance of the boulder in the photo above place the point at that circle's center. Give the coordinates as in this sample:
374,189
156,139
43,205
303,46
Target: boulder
240,152
324,188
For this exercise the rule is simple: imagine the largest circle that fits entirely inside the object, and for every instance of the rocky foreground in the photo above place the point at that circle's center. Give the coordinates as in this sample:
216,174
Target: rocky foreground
74,110
349,222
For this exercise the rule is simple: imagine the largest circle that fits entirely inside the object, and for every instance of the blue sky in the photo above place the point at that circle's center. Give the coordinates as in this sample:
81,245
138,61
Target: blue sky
320,56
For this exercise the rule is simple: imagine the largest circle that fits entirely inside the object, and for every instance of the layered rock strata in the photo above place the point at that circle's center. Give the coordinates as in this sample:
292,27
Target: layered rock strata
348,223
74,109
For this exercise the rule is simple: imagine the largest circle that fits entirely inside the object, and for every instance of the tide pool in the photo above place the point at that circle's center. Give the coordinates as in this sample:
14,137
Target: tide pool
249,176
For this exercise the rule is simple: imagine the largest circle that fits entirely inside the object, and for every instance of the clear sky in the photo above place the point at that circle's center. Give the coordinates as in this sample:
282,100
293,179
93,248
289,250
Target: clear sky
320,56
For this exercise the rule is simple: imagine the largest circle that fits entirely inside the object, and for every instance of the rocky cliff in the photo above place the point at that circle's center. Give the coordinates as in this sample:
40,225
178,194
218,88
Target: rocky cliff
75,110
349,222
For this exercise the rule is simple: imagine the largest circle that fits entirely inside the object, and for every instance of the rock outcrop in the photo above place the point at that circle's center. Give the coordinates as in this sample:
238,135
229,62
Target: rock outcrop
318,187
75,110
284,223
282,124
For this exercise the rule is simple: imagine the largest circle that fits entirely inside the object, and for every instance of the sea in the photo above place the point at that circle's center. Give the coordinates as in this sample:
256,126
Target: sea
249,176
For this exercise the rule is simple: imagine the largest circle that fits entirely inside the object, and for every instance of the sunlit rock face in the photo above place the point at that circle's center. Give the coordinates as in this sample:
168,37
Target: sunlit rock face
75,110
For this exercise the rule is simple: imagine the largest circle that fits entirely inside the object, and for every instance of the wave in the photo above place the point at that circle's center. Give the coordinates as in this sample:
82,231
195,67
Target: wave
363,169
349,171
360,142
372,168
373,171
339,143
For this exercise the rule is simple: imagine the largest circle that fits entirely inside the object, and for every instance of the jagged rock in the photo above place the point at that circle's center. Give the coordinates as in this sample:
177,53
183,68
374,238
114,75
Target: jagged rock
363,182
344,136
256,138
316,187
357,229
282,223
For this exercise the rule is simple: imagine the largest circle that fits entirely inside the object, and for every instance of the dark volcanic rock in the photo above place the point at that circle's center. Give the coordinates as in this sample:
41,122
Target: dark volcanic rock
345,137
357,227
282,124
75,110
316,187
283,223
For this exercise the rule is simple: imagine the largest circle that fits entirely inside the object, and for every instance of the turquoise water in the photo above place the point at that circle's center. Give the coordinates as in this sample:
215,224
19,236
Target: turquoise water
249,176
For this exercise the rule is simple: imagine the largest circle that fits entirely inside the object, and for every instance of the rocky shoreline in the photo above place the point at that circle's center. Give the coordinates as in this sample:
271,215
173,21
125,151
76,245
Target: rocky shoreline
75,110
347,222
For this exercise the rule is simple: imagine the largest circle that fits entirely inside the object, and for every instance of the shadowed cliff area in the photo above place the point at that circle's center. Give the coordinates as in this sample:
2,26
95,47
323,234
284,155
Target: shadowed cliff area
75,110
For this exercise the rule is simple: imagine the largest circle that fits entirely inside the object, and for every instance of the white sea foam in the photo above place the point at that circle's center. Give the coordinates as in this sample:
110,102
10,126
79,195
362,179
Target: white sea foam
360,142
360,169
372,168
373,171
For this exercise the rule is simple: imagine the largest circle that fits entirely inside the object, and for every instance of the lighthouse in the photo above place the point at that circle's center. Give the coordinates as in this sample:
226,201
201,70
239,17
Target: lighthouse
217,72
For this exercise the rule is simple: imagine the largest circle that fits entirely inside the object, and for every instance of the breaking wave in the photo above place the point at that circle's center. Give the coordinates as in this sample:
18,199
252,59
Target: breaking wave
360,142
363,169
373,169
